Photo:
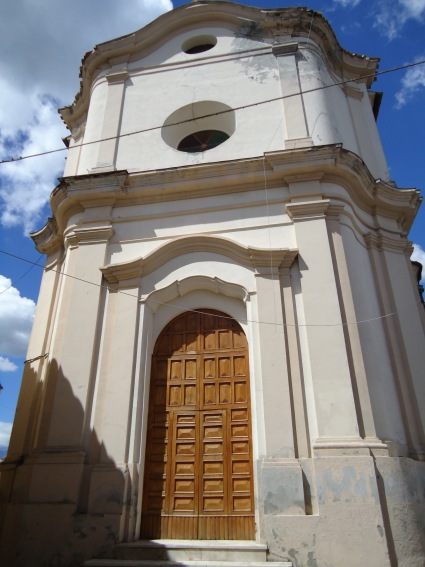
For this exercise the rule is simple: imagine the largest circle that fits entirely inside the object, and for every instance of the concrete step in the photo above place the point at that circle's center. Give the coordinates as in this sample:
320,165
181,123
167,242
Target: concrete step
189,553
164,563
193,550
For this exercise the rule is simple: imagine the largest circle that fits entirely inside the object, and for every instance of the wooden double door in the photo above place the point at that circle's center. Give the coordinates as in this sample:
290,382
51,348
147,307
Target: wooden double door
198,481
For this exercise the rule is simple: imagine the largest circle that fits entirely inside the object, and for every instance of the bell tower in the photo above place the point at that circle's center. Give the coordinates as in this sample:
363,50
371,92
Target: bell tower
228,348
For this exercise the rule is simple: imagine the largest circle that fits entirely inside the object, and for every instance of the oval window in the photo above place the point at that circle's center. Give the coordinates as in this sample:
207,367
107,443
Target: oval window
199,44
202,141
199,126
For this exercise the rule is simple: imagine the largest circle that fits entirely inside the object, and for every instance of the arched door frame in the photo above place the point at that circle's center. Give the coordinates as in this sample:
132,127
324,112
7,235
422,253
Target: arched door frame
239,304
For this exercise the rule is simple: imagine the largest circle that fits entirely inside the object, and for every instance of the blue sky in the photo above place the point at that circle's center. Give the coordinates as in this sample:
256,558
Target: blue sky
42,45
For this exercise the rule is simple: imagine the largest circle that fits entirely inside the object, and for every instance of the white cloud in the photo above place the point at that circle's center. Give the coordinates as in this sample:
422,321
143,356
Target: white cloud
348,3
392,15
42,45
7,365
418,254
411,83
5,431
413,8
16,318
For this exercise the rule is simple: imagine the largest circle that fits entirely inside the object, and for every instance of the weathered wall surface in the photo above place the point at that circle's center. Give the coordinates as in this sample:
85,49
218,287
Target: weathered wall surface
284,228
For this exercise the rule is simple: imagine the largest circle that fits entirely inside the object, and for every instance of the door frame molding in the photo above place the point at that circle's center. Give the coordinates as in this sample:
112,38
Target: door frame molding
234,300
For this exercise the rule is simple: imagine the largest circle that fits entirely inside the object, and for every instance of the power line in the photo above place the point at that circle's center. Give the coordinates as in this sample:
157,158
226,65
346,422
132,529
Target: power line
242,107
13,284
184,309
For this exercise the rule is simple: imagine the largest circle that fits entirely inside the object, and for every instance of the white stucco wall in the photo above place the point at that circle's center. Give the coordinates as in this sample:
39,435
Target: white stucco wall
300,246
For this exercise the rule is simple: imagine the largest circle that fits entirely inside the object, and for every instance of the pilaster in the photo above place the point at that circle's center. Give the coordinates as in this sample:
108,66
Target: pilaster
74,349
115,379
335,407
274,366
111,122
350,328
293,104
386,272
302,443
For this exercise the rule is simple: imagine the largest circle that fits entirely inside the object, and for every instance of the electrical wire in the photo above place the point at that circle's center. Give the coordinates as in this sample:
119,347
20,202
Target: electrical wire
242,107
13,284
184,309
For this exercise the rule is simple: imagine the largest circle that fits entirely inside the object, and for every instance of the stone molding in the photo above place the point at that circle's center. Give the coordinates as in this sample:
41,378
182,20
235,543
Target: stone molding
380,242
117,78
179,288
78,133
255,258
57,456
90,235
284,49
349,446
47,240
268,23
335,211
352,92
330,164
307,210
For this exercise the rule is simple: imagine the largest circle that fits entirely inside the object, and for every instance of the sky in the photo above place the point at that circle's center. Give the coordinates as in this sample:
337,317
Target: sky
41,47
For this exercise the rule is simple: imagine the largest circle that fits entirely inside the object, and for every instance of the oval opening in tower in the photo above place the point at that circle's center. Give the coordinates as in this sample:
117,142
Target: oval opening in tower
202,141
199,127
199,44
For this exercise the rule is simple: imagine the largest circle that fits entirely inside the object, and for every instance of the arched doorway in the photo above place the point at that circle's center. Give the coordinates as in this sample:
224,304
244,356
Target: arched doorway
198,481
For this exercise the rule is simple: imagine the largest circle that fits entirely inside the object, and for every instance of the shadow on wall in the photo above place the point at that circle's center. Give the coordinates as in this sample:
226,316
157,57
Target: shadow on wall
62,499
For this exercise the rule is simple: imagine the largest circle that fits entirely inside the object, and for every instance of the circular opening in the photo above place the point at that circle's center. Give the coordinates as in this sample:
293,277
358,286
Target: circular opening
199,44
202,141
199,126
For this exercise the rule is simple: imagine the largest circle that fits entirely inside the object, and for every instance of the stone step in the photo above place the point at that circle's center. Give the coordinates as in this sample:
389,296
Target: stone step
193,550
189,553
165,563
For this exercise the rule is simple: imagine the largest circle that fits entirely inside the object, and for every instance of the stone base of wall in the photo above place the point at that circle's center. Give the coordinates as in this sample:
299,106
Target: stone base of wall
358,511
329,511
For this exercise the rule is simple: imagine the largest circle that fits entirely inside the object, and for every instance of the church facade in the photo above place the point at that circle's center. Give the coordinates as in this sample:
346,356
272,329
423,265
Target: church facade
229,343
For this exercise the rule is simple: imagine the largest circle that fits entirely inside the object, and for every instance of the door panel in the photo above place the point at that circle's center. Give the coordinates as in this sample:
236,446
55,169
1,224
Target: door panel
198,472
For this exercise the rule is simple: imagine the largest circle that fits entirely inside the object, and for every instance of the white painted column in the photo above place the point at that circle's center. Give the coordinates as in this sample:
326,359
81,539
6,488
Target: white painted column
274,366
280,475
73,356
74,153
360,384
394,290
116,373
293,104
335,408
111,477
111,122
139,422
302,448
31,397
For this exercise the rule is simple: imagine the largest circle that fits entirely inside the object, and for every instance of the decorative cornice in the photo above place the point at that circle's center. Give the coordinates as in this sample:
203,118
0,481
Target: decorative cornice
352,92
117,78
115,273
380,242
78,133
256,258
334,211
179,288
342,167
284,49
82,191
307,210
330,164
262,23
90,235
47,240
